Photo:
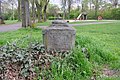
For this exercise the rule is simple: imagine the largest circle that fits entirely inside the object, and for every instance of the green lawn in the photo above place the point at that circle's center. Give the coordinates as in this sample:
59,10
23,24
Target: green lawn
27,35
103,43
44,23
11,21
106,33
101,40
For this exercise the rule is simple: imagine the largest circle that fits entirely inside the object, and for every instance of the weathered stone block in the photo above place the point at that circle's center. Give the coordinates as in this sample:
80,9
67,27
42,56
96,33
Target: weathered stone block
59,36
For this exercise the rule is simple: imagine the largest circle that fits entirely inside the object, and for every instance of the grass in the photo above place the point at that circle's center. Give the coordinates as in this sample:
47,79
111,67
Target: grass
44,23
11,21
27,35
101,40
109,34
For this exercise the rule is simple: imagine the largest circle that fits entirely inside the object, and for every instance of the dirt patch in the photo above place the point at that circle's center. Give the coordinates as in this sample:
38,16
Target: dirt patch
105,72
110,72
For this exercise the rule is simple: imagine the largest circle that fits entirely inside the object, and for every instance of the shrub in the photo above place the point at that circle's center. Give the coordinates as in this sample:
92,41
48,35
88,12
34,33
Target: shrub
7,16
91,15
28,63
107,14
116,13
74,14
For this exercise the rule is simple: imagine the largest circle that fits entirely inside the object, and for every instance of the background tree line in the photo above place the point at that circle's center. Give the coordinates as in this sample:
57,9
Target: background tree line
31,11
108,9
26,11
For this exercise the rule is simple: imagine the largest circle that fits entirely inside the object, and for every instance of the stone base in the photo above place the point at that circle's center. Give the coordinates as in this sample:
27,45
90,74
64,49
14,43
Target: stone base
59,37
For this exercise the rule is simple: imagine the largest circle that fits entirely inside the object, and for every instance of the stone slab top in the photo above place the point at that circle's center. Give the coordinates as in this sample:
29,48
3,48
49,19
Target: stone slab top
59,28
59,23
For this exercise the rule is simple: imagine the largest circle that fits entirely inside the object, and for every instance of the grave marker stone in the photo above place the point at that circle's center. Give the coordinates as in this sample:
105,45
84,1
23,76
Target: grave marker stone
59,36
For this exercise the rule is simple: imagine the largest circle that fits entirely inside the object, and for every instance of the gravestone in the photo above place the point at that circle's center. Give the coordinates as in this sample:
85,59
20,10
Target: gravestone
59,36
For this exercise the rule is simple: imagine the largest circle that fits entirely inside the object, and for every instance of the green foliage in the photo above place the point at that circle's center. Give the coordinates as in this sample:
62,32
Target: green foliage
91,14
106,14
9,15
74,14
102,41
53,10
47,23
33,25
73,67
95,49
11,21
116,13
28,59
31,34
11,54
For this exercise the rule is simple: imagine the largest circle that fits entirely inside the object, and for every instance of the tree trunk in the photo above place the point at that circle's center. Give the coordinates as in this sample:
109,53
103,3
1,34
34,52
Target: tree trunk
19,9
0,8
45,14
64,10
12,12
28,13
33,11
40,16
82,10
45,10
90,5
1,18
69,8
96,8
39,10
25,13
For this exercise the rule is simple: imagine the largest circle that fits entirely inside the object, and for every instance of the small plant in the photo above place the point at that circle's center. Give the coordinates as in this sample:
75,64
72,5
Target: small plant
17,63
